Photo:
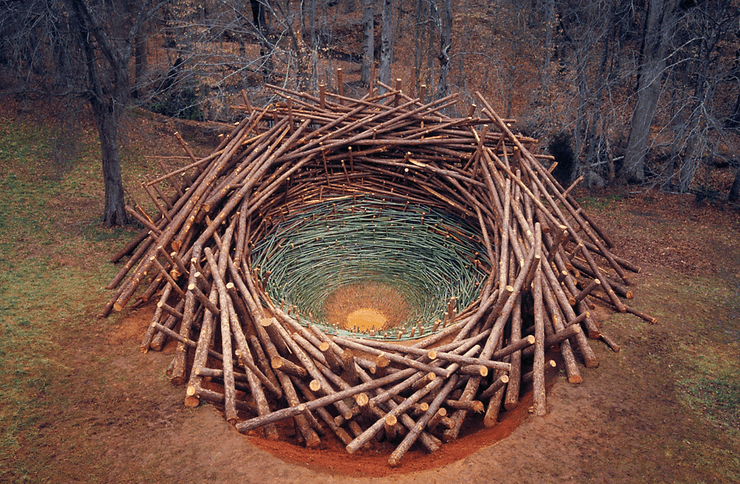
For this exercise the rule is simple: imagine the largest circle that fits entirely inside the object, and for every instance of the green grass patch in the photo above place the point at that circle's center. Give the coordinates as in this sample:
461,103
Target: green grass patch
51,279
698,314
712,389
590,203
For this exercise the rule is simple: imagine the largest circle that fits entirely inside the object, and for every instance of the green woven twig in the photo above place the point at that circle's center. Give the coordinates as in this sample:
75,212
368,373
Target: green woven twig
427,255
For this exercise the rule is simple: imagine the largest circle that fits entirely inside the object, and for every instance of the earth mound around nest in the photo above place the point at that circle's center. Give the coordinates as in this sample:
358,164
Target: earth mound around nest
371,270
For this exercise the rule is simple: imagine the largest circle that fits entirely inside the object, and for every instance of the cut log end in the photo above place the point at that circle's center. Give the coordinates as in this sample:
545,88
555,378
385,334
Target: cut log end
575,379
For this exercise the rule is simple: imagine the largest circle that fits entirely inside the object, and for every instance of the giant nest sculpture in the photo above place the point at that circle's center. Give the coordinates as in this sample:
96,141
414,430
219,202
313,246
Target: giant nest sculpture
369,268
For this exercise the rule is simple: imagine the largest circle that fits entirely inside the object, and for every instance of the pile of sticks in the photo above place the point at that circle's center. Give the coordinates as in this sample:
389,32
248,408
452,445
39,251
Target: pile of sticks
547,261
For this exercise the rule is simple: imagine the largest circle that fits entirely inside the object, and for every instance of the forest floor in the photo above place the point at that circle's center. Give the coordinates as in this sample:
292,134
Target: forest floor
80,403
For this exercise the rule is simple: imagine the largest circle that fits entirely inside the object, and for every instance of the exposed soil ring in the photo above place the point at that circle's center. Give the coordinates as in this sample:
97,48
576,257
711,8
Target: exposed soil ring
332,457
365,307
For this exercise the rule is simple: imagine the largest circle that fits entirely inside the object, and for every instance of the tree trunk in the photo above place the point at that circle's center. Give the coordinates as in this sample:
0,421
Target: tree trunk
351,5
313,82
431,35
106,121
735,189
658,26
386,51
140,62
368,45
419,30
547,59
463,48
108,96
445,42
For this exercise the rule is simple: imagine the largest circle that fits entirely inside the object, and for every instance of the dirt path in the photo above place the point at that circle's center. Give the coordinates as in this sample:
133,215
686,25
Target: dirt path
629,421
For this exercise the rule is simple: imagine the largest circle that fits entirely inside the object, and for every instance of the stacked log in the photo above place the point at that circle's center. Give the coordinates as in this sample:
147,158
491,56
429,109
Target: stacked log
547,263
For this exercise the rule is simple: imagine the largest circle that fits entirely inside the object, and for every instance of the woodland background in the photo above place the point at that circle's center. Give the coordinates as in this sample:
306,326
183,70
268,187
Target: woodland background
643,92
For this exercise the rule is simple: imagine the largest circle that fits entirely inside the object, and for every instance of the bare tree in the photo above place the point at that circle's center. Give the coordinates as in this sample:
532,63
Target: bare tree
659,27
701,72
386,41
89,46
591,39
445,44
368,44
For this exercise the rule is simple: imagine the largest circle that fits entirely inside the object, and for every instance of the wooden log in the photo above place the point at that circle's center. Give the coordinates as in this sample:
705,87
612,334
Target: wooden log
430,442
323,413
287,366
368,434
465,360
539,396
497,384
201,354
529,376
144,220
472,405
552,286
195,394
556,209
567,332
589,323
311,369
263,364
389,425
349,371
382,363
127,249
494,407
256,378
270,326
478,370
159,338
228,363
203,299
292,411
423,422
492,343
566,350
179,370
424,380
185,341
436,419
149,334
518,345
609,342
352,344
594,284
511,398
646,317
167,276
332,360
310,349
170,310
135,258
620,289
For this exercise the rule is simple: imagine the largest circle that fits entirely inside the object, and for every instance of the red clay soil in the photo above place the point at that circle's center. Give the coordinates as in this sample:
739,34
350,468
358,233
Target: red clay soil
332,457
